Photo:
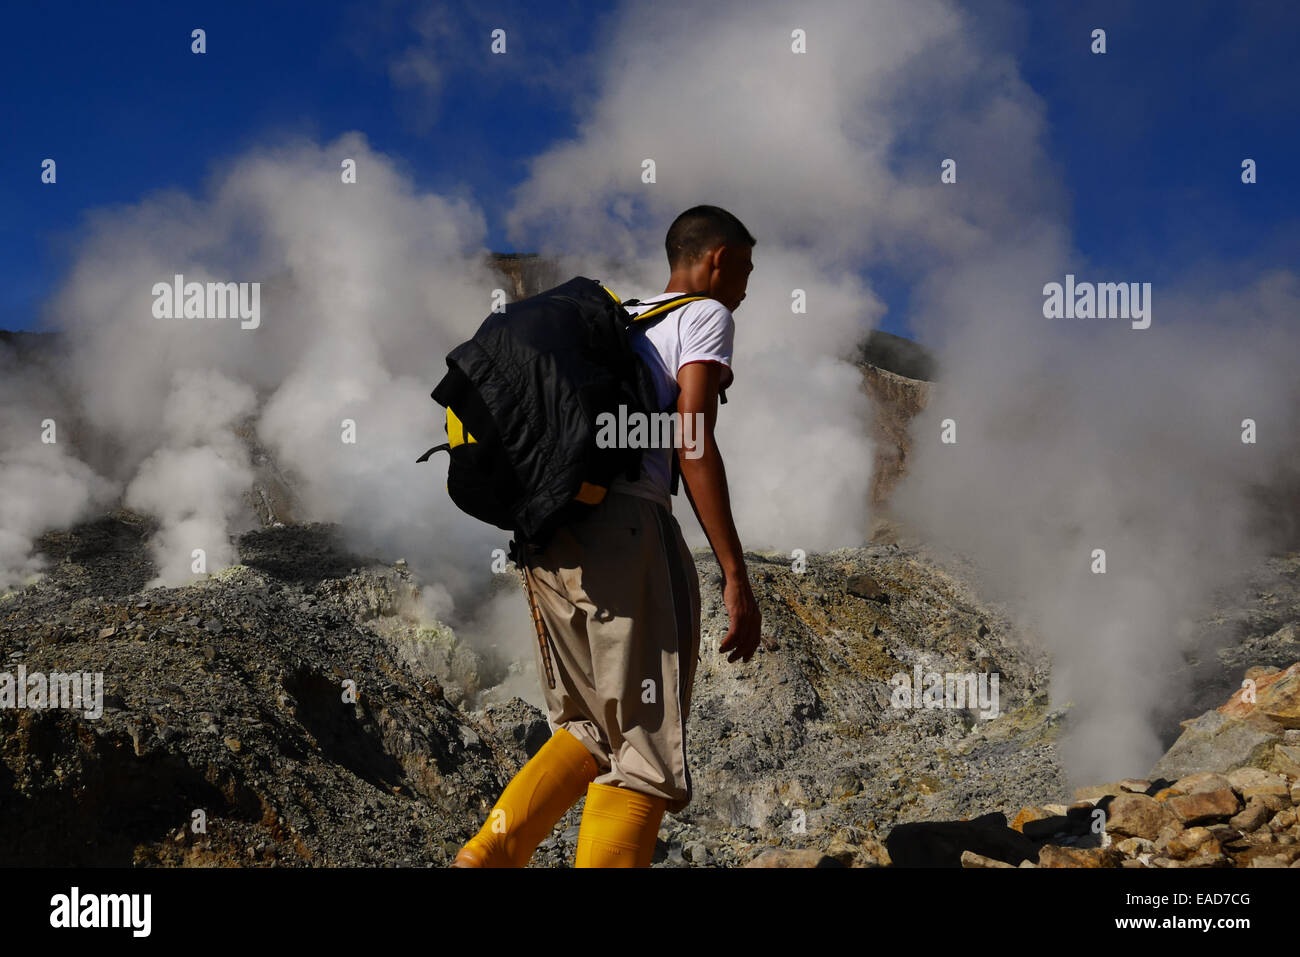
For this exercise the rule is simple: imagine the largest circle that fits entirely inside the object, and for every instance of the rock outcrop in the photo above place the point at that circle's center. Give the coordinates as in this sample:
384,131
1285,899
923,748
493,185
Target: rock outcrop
297,706
256,702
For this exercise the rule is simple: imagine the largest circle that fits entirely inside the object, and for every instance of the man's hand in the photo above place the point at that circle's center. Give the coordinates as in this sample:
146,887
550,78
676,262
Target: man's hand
746,620
706,487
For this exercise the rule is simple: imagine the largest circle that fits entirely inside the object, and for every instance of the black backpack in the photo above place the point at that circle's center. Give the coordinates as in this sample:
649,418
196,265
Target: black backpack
523,396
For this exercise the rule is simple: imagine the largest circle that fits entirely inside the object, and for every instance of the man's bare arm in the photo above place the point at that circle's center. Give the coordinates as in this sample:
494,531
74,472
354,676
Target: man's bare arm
706,488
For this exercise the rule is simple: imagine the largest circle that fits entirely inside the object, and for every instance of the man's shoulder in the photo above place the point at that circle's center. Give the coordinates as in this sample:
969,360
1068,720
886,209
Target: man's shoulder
707,310
705,321
707,325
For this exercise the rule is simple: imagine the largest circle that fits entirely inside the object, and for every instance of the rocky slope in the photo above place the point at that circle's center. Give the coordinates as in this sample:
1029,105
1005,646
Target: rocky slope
230,698
225,698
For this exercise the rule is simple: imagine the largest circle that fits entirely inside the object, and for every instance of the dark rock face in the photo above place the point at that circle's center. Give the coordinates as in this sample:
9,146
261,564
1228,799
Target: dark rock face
902,357
527,274
941,843
28,346
895,400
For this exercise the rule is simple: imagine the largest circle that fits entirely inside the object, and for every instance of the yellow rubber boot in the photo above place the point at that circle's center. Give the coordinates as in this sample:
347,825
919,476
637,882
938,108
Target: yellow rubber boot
619,827
534,800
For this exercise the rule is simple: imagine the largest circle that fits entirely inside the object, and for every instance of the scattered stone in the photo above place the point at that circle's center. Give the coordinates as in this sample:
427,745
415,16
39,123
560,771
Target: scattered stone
1202,781
846,785
1251,818
1225,833
788,857
1283,820
971,859
1188,842
1204,806
1097,791
1054,856
1250,782
1286,760
1272,860
865,586
1167,834
1136,815
1133,846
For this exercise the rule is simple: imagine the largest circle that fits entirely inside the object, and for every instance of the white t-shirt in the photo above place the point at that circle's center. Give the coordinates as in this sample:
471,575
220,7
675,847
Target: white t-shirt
701,331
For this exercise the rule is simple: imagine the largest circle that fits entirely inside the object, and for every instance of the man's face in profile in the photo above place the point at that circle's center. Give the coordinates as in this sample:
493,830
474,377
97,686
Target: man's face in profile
730,275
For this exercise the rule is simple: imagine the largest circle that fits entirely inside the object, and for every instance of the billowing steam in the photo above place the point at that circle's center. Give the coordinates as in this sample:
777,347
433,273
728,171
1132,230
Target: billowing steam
364,288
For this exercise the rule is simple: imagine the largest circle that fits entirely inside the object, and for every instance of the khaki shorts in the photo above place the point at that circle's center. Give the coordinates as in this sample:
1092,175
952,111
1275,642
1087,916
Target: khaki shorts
620,598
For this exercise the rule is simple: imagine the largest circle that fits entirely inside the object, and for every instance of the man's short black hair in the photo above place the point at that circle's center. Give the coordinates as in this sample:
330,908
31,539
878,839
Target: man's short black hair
700,229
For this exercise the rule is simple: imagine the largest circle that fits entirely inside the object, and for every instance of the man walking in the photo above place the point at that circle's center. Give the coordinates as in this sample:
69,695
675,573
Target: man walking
619,595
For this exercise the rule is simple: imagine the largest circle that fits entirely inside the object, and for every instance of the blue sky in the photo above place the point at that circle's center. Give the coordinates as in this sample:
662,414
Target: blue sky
1149,140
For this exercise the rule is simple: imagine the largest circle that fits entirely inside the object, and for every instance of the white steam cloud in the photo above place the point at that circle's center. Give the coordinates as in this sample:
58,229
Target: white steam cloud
194,483
43,485
366,287
1080,435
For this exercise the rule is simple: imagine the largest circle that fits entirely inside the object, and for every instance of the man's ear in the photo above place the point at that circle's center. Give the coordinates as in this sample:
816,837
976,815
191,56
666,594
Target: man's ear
715,263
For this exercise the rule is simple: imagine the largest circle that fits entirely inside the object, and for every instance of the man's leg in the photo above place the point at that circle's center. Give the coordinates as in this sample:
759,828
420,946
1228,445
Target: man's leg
558,774
538,796
619,827
619,596
643,631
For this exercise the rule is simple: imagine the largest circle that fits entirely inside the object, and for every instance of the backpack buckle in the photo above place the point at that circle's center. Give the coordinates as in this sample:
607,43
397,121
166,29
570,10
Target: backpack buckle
518,552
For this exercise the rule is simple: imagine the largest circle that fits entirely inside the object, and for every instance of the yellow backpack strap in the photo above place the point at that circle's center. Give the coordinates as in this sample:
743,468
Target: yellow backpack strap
660,308
657,310
457,434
